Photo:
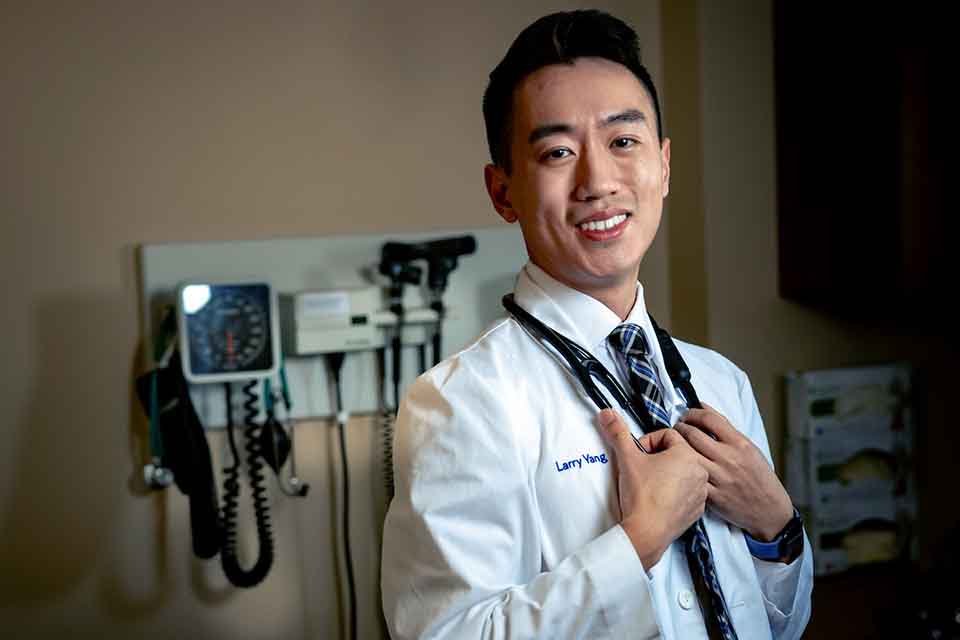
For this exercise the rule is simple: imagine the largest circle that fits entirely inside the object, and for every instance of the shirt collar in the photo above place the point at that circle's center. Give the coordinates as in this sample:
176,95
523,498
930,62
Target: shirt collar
575,314
588,322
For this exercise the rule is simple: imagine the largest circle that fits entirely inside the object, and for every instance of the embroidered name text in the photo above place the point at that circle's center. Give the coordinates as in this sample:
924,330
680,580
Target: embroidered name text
577,463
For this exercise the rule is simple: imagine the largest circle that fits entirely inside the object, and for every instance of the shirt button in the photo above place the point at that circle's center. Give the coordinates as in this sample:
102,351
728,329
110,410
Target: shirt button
685,598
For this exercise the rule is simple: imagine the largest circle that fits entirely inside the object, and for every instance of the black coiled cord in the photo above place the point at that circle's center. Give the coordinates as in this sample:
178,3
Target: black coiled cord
386,422
335,362
386,425
231,489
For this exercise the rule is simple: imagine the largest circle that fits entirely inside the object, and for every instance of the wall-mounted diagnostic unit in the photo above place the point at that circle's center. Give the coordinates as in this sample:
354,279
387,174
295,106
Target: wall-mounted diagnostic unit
362,300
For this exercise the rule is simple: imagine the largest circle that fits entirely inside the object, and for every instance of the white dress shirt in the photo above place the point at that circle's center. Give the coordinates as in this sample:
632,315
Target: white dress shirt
505,519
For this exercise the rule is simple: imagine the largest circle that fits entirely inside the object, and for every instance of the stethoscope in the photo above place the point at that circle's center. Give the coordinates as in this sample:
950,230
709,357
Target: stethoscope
588,370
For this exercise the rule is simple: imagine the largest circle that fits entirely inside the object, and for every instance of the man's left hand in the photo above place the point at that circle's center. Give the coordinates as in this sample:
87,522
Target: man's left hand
743,489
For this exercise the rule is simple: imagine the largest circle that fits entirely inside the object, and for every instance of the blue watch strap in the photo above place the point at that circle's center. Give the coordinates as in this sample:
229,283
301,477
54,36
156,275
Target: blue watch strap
763,550
768,550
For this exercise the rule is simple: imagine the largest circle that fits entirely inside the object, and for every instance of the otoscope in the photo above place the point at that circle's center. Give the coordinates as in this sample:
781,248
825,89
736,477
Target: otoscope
400,272
441,256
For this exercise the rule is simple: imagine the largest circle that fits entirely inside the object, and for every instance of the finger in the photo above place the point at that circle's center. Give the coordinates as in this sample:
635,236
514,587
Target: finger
661,440
701,442
716,502
651,441
616,433
710,408
710,421
717,478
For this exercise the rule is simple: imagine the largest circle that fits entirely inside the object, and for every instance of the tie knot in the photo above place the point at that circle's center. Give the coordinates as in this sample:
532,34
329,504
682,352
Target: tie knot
628,339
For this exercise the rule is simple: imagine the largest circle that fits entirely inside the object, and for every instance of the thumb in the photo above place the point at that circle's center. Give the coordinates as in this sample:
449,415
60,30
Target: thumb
615,431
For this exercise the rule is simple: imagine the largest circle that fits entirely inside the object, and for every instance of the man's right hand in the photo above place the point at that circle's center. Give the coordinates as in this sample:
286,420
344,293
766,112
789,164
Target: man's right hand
661,492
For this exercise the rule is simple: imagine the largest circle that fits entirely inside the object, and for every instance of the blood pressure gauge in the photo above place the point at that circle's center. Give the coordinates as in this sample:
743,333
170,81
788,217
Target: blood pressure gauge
228,331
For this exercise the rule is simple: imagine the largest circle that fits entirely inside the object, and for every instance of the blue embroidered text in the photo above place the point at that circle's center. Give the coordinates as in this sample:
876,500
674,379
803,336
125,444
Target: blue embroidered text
577,463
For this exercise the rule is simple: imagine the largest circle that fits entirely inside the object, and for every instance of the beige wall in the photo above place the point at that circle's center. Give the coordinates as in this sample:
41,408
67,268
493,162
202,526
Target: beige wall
682,106
129,123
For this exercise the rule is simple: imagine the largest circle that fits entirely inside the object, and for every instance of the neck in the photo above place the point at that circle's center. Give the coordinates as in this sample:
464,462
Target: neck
619,296
619,299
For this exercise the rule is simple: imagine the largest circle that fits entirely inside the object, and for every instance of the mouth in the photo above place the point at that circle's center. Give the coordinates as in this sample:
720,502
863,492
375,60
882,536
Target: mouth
603,227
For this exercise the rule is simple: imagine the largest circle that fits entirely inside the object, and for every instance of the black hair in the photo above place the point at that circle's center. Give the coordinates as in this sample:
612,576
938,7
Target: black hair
559,38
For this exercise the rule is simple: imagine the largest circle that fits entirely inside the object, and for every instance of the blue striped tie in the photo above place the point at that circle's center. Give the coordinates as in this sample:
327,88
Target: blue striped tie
629,340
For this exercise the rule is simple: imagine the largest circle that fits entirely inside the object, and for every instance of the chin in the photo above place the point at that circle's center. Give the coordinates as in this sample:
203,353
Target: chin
615,271
607,278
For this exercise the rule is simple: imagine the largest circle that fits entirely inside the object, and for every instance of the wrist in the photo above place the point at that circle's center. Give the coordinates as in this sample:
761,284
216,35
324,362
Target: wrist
645,540
769,530
786,546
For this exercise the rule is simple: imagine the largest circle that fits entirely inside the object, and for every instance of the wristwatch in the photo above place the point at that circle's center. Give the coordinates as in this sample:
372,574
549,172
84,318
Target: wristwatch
785,547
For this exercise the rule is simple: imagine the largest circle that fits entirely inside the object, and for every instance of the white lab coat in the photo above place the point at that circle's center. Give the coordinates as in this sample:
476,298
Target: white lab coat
505,520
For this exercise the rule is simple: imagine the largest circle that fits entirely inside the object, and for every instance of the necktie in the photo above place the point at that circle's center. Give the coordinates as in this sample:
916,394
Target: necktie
629,340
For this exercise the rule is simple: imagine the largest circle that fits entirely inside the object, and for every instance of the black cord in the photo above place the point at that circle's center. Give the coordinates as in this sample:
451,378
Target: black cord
231,491
436,344
335,362
396,346
437,306
228,397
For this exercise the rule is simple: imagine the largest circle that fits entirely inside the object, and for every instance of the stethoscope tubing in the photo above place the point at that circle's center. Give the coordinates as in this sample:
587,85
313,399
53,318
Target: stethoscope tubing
584,366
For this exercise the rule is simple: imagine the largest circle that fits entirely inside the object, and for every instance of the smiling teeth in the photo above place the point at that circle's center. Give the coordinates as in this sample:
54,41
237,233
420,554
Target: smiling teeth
603,225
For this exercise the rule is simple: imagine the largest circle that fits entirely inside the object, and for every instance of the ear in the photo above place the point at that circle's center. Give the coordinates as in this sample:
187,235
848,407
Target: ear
665,166
498,188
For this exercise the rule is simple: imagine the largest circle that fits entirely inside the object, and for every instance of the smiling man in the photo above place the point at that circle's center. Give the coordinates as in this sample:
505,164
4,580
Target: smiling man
522,512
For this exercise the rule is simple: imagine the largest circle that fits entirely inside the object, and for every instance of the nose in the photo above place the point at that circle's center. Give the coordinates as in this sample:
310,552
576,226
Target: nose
596,174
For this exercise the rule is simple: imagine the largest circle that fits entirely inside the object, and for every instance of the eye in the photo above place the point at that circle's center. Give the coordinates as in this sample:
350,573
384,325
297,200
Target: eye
624,142
557,154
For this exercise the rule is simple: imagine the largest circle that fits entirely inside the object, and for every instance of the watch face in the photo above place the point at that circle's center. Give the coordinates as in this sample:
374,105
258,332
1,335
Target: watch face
791,542
228,328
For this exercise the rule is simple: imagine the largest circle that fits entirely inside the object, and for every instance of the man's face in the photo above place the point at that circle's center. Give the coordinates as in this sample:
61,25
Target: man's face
588,173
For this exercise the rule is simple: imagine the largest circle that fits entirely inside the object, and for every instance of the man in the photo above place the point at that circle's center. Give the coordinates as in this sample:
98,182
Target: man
520,512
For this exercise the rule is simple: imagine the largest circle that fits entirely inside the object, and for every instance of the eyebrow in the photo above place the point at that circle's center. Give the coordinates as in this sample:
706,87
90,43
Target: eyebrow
630,115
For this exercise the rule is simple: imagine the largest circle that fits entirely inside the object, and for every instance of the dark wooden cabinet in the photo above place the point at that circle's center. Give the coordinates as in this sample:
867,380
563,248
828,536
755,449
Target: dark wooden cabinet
862,149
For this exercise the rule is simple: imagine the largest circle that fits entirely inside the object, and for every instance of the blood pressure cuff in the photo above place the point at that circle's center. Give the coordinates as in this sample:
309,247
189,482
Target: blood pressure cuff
186,453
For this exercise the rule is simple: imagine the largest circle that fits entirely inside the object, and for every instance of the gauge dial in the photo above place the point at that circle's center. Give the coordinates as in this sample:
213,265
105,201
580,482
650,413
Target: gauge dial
227,330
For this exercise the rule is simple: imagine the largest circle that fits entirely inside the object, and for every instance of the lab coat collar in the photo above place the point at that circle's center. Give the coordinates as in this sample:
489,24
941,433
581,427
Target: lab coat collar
576,315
